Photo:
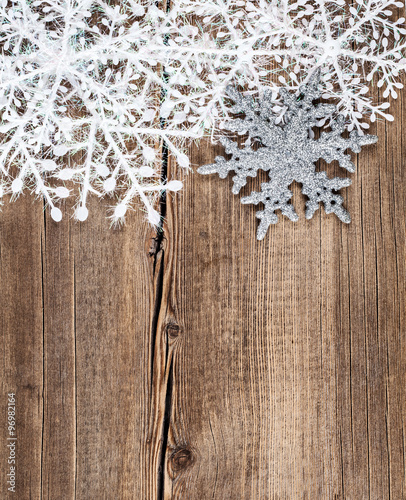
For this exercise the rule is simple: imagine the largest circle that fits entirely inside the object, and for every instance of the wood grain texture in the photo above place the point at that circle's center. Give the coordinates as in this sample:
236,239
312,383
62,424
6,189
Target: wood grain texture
76,324
22,347
201,364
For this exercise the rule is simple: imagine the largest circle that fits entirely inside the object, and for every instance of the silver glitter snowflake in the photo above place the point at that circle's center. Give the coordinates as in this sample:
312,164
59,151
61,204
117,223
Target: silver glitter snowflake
288,153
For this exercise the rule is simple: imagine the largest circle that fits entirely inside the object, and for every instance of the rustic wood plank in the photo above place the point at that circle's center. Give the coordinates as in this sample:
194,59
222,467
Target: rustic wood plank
112,292
289,369
371,358
59,429
107,301
252,400
21,231
76,326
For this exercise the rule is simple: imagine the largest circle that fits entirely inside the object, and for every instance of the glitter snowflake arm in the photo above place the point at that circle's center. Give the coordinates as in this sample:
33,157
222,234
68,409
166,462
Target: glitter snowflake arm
315,185
320,189
303,114
244,162
332,146
259,123
273,197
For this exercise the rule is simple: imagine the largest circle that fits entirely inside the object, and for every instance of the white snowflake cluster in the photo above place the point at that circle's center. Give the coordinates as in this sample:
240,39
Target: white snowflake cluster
78,82
239,42
90,90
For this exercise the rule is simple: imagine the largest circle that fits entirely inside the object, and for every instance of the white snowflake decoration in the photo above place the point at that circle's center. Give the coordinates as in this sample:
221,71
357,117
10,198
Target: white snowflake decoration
238,42
77,78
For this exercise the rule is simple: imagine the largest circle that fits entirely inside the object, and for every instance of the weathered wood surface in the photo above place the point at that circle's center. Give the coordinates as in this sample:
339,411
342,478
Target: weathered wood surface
204,364
289,373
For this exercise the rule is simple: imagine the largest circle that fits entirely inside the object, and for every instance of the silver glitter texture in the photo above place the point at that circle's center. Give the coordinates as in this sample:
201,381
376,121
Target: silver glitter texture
288,153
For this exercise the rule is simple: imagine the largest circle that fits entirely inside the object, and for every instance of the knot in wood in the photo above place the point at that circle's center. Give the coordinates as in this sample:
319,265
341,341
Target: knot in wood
182,459
173,330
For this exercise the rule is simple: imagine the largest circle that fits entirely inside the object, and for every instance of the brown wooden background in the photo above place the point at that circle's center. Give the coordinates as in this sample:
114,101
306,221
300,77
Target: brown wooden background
204,364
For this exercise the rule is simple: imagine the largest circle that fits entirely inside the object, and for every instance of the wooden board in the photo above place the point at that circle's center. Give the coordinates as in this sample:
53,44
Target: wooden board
289,373
202,364
76,319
